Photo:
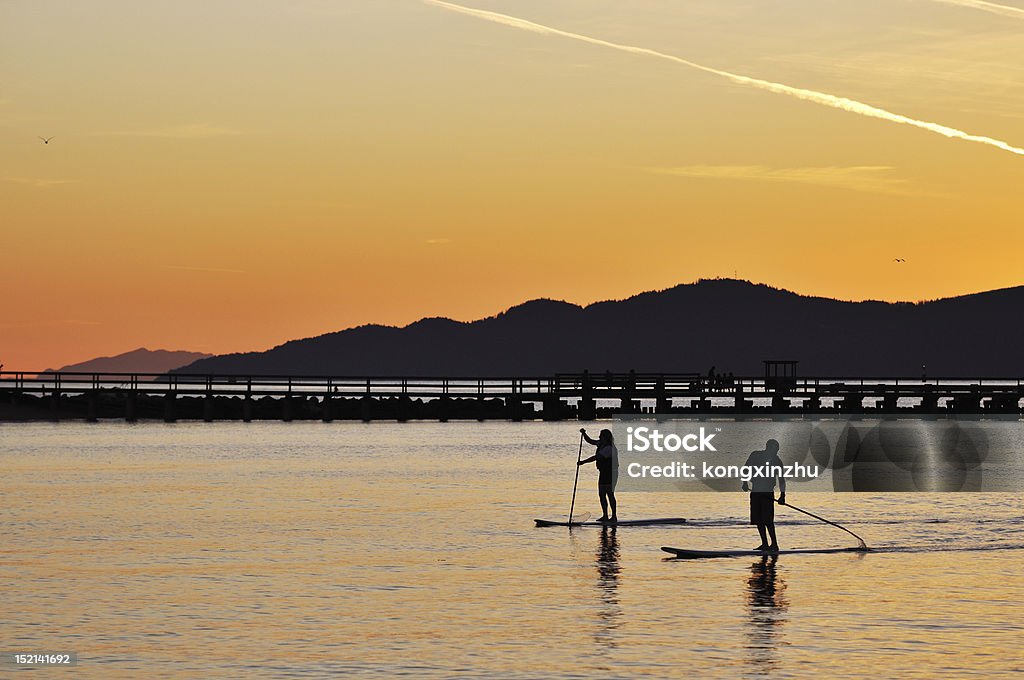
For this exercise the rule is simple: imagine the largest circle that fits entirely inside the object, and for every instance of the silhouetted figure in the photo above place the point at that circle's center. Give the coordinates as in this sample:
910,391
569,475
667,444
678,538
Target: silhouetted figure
607,460
762,493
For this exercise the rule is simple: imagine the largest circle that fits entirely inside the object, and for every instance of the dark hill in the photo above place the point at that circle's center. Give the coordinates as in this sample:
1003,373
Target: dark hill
730,324
140,360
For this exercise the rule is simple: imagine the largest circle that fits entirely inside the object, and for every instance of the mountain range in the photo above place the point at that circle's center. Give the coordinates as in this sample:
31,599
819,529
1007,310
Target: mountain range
729,324
140,360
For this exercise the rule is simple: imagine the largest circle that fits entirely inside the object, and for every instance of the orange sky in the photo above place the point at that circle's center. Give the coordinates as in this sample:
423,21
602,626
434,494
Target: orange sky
226,176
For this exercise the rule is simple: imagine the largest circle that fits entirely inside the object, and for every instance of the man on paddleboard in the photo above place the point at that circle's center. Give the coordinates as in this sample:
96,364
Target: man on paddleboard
607,459
762,493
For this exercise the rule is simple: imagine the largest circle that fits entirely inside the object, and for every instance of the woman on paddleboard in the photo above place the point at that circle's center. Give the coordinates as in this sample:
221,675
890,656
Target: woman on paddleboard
607,459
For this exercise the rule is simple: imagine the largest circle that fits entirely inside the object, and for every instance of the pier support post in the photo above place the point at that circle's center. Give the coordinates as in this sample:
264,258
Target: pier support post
738,401
587,409
247,409
403,408
552,408
55,405
170,414
131,406
208,408
286,408
628,405
1004,403
90,406
366,409
662,403
327,409
515,409
965,403
444,408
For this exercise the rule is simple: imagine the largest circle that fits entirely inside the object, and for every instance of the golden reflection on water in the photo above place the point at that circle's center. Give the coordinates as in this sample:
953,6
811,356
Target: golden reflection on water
767,605
270,550
608,567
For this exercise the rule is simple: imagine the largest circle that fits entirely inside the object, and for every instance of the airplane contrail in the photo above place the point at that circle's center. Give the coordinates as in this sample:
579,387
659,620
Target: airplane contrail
1003,10
822,98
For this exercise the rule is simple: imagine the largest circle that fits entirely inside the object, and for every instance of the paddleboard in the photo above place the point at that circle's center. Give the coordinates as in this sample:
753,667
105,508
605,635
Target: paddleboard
620,523
684,554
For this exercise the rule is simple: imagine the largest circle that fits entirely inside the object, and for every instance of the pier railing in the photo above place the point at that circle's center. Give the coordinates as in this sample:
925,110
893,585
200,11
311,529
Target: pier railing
559,383
562,395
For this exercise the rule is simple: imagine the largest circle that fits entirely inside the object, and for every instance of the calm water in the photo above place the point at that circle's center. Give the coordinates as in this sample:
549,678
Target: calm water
289,549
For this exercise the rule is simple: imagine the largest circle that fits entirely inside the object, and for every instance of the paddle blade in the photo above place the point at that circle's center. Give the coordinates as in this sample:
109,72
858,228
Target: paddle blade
579,517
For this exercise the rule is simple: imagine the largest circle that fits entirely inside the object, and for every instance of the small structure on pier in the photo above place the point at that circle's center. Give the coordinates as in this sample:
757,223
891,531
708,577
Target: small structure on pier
780,375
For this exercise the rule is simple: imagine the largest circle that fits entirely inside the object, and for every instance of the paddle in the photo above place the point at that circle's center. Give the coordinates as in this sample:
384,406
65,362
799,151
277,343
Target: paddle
579,519
579,457
863,545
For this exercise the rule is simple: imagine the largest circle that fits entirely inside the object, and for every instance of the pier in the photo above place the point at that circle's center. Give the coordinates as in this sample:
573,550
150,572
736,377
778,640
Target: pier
564,396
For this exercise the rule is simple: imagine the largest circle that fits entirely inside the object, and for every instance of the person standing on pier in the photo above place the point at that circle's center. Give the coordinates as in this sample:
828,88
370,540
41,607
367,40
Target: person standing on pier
762,493
607,459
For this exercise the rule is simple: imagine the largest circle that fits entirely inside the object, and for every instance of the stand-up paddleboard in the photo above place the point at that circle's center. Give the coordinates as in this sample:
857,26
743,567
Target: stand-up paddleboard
684,554
620,523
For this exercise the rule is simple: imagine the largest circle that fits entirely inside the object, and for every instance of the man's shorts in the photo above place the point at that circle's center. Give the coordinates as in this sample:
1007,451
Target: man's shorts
762,507
605,488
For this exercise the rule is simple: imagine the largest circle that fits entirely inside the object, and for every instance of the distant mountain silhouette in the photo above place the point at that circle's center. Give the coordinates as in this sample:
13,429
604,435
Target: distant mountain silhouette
140,360
729,324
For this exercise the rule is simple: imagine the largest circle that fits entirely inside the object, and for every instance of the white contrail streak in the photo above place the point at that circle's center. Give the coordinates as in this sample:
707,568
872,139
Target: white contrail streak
1003,10
822,98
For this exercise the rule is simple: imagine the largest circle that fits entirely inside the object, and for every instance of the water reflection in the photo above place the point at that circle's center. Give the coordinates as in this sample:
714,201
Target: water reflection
608,569
766,606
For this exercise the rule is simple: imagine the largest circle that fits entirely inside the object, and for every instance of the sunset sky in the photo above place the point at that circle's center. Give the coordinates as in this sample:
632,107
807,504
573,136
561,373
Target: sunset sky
228,175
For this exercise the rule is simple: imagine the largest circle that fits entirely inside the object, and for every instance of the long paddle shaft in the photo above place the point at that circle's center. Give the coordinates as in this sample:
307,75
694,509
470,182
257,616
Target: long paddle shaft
863,545
579,457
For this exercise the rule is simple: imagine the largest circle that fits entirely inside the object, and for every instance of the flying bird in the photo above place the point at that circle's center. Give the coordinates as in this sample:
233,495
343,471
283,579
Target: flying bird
46,140
898,259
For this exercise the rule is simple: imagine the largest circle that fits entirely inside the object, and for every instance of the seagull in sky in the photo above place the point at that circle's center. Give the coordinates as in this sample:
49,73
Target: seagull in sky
898,259
46,140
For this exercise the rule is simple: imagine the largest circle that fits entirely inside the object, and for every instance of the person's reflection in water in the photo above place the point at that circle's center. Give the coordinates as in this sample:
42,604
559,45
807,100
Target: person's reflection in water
608,568
767,605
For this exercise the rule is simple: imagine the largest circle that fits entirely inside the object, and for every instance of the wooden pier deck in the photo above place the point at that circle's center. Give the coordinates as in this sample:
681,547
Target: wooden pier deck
581,396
